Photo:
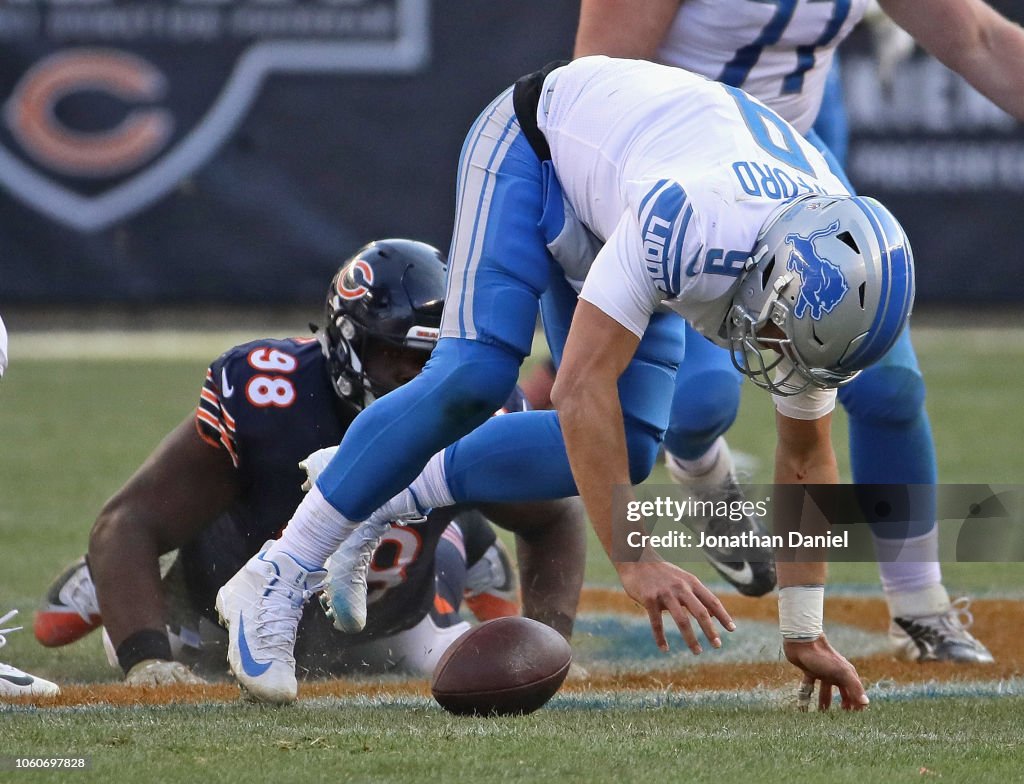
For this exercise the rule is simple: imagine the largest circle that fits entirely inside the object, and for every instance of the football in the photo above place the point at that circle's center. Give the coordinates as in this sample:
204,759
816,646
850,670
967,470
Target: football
505,667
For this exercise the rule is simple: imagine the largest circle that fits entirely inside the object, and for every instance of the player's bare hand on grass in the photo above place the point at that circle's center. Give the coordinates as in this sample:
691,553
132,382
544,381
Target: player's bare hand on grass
823,664
159,672
662,587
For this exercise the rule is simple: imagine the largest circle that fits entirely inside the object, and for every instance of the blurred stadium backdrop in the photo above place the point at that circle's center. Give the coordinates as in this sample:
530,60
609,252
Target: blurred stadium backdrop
232,152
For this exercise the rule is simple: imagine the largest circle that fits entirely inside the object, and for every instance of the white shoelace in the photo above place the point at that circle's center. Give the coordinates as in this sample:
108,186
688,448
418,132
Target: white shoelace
278,621
959,617
82,595
4,632
369,542
368,537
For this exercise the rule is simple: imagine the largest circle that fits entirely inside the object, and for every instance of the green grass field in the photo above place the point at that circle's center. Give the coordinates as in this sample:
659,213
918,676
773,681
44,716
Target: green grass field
76,418
951,740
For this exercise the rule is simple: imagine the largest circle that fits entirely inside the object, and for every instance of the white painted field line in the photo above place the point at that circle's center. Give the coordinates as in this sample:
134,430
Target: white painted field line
120,345
39,345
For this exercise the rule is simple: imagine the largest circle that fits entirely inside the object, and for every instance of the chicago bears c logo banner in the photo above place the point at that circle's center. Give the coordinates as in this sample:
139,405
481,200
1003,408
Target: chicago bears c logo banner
107,106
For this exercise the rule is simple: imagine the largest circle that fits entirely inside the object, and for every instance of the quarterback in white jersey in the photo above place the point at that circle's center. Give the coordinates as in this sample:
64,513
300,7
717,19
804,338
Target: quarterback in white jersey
781,52
710,204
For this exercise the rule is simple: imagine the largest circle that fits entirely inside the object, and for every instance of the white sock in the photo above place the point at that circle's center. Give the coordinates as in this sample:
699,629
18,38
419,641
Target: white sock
702,464
931,600
315,531
911,575
428,491
708,472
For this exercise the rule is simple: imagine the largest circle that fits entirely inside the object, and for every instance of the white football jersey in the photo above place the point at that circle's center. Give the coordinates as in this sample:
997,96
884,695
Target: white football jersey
675,175
777,50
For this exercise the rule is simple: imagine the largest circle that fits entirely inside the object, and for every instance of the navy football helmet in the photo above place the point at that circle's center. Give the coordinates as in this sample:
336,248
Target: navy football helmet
829,286
389,293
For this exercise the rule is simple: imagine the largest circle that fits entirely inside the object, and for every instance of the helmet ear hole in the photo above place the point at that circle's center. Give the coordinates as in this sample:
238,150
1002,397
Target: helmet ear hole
766,273
847,238
348,329
861,290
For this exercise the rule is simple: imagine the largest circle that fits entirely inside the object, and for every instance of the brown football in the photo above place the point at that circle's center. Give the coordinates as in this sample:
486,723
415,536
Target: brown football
505,667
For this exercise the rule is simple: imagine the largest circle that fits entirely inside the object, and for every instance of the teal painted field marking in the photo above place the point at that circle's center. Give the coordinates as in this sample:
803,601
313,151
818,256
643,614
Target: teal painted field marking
611,640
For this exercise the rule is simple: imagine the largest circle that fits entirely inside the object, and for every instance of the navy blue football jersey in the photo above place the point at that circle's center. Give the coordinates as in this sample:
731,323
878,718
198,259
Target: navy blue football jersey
268,404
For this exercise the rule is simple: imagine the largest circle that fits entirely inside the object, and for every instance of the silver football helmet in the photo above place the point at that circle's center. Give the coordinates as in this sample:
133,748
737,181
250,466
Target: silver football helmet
834,276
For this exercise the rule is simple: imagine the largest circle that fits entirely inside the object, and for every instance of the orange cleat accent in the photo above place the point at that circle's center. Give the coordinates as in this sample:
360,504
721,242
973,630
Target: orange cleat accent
488,606
54,629
70,610
442,605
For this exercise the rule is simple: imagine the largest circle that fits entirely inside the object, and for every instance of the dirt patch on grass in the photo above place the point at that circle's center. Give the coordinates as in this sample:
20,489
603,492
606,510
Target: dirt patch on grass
997,622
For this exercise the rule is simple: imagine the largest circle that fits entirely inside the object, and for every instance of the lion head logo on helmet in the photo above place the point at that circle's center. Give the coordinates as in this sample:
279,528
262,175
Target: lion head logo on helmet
822,285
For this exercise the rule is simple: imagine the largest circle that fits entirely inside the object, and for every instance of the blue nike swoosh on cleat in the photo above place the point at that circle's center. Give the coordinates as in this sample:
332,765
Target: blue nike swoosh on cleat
252,667
27,680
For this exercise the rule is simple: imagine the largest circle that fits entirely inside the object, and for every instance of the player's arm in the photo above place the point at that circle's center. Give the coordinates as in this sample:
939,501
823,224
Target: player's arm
804,455
183,485
586,396
971,38
623,28
551,546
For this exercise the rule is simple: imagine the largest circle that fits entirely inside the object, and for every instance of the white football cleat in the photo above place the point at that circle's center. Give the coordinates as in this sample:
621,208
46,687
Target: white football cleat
261,607
70,610
15,682
941,637
344,597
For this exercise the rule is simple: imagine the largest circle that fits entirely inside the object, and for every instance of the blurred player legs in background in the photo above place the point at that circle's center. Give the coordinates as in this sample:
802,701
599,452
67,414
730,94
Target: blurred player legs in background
71,609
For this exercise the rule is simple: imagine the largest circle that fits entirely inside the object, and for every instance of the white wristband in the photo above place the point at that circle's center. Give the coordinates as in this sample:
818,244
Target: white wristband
802,612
